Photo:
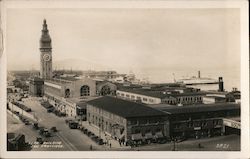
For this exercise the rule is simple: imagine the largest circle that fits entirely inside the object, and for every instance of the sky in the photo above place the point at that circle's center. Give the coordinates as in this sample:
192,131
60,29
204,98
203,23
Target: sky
149,42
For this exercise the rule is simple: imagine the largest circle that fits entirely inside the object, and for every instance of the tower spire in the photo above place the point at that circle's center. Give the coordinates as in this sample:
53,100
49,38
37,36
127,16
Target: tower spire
46,53
45,29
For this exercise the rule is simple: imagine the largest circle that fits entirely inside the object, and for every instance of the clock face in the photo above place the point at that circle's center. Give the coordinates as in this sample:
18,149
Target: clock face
46,57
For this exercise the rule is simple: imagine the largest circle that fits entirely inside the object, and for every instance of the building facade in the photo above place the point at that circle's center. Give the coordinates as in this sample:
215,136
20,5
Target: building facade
125,120
196,121
157,97
69,95
36,87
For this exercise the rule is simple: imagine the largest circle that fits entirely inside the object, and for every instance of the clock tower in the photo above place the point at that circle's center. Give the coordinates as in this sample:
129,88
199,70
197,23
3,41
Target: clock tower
46,53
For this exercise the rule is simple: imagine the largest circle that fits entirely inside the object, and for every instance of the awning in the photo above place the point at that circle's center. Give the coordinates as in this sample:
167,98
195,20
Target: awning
158,134
137,136
148,135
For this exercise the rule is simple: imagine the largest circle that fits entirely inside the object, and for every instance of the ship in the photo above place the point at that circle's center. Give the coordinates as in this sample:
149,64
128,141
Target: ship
202,83
197,80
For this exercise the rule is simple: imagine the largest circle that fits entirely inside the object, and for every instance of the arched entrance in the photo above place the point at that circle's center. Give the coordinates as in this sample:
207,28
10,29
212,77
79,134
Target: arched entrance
84,91
67,93
106,90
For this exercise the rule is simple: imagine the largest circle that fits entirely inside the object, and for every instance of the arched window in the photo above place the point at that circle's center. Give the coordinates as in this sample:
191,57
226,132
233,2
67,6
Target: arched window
67,93
84,91
105,90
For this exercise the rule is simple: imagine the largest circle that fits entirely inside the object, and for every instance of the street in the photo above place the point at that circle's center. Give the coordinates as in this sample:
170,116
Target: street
219,143
67,139
73,139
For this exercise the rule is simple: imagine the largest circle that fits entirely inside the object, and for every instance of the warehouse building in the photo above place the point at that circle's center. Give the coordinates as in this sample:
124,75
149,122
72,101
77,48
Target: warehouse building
204,120
172,97
126,120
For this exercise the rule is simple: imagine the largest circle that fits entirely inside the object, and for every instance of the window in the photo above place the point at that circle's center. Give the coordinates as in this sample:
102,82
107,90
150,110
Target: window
106,90
137,131
133,122
84,90
144,99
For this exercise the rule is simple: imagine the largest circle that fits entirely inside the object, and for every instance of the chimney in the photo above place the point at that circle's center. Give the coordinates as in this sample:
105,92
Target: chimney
221,84
199,74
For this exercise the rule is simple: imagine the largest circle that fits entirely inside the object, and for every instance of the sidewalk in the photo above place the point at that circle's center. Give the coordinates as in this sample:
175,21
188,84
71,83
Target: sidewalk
106,138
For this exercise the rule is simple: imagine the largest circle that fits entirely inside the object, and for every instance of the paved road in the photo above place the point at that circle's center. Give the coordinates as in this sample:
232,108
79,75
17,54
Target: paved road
220,143
73,139
16,126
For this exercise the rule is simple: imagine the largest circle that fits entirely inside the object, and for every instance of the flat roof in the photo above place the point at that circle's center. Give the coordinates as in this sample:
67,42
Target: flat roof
160,94
57,81
69,78
124,108
235,118
216,97
81,99
199,108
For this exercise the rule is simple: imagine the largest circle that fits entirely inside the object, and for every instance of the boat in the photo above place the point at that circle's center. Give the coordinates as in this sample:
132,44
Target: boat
197,80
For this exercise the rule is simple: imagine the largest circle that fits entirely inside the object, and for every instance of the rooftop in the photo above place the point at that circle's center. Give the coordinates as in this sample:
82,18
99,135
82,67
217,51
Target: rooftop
199,108
69,78
215,97
80,100
160,94
124,108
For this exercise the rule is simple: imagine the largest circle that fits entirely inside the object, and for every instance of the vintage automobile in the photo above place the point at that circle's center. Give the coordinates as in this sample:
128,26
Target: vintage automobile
100,141
53,129
73,125
35,126
40,140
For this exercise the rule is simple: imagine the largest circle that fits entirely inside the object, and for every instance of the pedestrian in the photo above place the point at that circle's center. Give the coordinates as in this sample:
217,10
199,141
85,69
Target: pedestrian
90,147
199,145
110,145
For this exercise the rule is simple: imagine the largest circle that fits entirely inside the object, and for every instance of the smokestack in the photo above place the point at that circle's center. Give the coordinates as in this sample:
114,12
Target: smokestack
221,84
199,74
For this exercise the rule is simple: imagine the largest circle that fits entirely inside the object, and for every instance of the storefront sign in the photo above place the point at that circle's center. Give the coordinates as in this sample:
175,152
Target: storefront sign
197,128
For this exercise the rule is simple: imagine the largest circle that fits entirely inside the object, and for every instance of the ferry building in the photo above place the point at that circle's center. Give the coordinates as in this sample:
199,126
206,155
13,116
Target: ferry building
67,94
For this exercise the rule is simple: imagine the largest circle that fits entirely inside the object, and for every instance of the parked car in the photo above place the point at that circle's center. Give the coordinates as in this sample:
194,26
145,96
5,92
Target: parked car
41,130
49,110
89,133
46,133
27,122
94,138
35,125
73,125
53,129
63,114
85,131
100,141
40,140
23,120
82,128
